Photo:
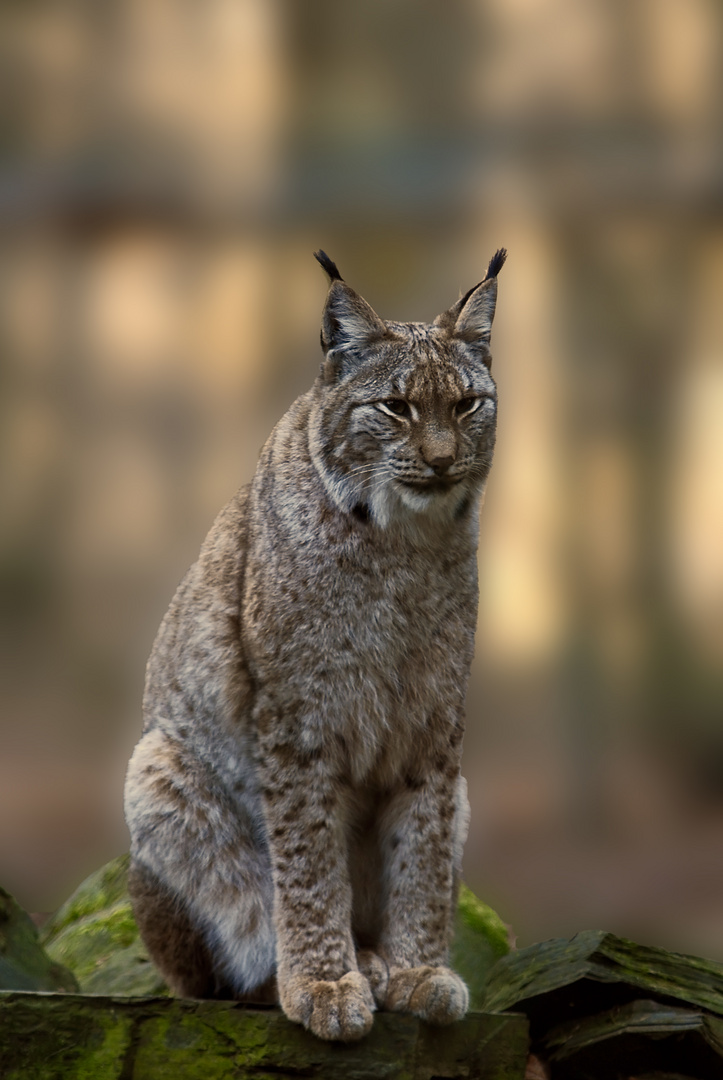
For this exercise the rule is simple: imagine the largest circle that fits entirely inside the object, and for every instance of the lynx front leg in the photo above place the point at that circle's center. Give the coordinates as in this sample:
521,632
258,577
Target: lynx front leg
423,831
320,985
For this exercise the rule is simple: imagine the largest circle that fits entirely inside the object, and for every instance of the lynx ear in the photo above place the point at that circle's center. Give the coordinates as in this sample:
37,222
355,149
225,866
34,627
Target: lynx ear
347,321
471,317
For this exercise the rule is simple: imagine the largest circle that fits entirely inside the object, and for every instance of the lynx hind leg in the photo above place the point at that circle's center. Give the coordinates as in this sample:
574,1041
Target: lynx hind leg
176,946
200,882
434,994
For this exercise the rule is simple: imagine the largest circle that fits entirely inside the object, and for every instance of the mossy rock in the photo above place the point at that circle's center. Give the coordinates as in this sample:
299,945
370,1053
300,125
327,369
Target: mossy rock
95,935
24,965
46,1037
566,979
603,1007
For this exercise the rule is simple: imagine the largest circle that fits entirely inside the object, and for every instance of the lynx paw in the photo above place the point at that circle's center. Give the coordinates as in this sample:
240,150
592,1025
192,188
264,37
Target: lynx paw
376,972
331,1010
434,994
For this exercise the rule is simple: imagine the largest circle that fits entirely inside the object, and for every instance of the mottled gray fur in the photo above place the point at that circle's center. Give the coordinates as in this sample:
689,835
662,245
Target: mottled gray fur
295,804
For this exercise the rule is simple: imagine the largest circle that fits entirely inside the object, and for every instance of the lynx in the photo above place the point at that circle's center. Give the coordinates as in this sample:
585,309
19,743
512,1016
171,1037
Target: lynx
295,803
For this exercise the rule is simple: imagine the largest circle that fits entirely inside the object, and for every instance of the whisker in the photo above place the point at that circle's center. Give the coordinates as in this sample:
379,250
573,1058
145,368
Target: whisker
367,467
372,475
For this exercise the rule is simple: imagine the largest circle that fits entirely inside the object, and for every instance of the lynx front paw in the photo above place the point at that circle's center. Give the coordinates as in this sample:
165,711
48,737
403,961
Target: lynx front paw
332,1010
434,994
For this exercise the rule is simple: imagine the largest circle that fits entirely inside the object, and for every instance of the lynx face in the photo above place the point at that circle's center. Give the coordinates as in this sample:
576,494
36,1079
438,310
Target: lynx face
405,418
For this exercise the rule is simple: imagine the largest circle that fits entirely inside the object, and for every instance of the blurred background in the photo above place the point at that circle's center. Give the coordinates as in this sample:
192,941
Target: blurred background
168,167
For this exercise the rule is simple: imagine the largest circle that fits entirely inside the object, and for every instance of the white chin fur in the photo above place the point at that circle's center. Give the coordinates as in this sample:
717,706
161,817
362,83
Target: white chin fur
391,503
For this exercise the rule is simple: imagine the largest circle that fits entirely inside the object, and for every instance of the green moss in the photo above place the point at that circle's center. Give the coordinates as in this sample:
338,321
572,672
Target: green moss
175,1041
483,921
247,1032
480,939
118,922
54,1038
102,889
95,935
103,1058
93,939
213,1040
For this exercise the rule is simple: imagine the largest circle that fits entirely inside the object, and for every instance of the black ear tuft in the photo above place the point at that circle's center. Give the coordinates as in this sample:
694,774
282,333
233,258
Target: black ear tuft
496,263
331,267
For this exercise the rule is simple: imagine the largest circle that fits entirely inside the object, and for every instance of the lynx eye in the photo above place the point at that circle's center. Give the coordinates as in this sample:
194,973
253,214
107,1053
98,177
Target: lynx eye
396,407
467,405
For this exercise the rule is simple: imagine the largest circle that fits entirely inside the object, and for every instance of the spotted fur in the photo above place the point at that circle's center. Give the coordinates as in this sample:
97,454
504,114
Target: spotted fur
295,803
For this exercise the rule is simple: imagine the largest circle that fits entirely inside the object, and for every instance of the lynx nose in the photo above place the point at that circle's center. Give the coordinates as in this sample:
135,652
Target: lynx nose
439,451
441,464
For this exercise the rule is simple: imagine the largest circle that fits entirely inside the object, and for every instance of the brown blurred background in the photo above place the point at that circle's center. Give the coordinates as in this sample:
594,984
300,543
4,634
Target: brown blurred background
168,168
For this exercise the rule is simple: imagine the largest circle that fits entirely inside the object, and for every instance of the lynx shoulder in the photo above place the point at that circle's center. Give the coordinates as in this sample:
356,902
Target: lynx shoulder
295,803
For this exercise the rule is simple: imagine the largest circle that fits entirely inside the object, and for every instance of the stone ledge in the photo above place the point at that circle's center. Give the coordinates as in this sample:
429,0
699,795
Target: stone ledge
46,1036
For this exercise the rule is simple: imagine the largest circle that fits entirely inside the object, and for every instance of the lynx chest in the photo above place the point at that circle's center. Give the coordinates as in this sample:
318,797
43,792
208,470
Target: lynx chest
362,638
